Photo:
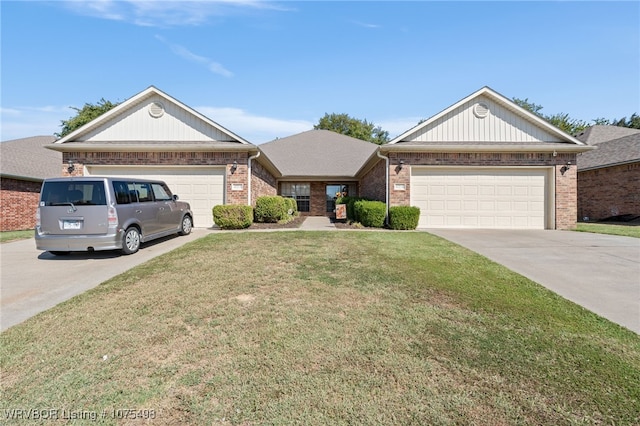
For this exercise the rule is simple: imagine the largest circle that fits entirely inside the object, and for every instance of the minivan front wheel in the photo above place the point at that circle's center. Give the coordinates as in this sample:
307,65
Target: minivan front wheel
131,241
186,226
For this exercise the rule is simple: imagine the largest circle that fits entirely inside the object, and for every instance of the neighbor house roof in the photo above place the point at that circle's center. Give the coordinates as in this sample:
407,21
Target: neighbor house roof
611,153
599,133
320,154
27,159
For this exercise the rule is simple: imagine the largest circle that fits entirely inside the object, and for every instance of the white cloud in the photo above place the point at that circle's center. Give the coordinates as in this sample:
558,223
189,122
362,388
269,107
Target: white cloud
165,13
366,25
185,53
23,122
256,129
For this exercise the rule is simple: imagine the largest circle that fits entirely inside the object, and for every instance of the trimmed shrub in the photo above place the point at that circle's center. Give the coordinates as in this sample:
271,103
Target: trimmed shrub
270,209
370,213
404,217
233,216
292,206
350,201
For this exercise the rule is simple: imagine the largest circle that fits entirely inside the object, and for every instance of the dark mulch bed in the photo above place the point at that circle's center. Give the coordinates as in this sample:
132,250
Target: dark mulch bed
295,223
343,224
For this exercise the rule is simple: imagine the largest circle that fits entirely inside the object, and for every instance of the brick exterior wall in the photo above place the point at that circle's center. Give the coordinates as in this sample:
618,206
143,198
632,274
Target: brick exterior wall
373,183
81,159
18,203
609,191
262,182
566,208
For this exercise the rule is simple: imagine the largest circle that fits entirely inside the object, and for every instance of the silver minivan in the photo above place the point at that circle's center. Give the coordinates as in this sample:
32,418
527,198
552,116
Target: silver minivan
107,213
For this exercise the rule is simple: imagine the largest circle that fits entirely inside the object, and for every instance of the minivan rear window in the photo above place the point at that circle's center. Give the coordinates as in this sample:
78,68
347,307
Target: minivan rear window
89,193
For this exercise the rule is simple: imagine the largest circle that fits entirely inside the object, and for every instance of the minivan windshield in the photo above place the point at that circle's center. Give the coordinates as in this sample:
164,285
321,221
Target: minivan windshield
83,193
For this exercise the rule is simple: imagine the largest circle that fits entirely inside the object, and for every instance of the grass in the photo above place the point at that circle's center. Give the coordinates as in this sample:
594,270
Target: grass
323,328
604,228
8,236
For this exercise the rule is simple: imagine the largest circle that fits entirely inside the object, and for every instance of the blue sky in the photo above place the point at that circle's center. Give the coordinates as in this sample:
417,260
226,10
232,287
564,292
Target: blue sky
267,69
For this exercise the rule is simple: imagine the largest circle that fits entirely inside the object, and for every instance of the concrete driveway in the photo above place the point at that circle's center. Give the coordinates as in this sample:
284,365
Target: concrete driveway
598,272
32,281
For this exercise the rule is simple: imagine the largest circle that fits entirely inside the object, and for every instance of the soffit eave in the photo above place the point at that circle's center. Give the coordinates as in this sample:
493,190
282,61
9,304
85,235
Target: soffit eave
181,147
564,148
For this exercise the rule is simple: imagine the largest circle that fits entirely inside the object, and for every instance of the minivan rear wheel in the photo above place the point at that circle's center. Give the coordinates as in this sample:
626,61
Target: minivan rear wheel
186,226
131,241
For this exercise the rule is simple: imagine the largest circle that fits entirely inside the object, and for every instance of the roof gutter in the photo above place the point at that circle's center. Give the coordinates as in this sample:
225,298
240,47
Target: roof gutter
386,177
456,148
154,147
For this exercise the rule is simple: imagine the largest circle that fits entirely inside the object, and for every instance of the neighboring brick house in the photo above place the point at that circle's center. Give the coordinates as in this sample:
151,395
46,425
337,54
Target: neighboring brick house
24,163
484,162
609,176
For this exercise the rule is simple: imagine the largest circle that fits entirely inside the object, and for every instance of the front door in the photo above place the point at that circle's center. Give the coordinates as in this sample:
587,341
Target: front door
332,192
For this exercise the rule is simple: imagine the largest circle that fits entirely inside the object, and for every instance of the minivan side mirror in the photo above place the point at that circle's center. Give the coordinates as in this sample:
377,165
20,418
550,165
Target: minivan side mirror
175,197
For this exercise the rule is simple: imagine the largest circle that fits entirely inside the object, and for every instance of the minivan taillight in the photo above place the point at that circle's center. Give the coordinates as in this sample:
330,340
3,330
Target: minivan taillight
38,217
112,217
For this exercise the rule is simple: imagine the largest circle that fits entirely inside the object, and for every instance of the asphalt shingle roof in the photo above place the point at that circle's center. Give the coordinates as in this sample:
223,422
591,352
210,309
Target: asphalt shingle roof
596,134
28,158
612,152
318,153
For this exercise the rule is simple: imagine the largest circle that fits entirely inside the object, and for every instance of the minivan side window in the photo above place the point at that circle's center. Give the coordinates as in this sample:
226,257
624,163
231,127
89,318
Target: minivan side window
143,190
123,193
161,192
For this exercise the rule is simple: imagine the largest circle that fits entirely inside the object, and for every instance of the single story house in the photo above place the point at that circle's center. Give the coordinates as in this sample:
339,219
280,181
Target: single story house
24,164
484,162
609,176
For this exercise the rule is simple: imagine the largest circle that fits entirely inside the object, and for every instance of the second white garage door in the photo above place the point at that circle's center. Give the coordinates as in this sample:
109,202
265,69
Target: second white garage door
480,198
202,187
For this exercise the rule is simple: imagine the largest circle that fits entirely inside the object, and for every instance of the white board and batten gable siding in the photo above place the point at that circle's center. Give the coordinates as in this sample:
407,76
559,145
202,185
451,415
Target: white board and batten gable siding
482,119
154,118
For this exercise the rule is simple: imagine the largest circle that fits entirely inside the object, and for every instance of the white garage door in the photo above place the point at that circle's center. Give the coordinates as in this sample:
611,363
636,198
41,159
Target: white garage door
479,198
202,187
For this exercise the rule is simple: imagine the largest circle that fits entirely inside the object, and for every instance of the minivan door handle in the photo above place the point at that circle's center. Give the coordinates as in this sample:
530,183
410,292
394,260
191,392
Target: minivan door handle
138,211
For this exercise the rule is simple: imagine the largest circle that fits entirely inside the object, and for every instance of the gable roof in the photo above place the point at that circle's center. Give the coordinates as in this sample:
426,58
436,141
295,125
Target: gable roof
599,133
319,154
27,159
152,121
615,152
485,120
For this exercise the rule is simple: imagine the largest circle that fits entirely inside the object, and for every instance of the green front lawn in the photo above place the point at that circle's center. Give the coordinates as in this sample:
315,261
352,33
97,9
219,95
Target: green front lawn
604,228
8,236
323,328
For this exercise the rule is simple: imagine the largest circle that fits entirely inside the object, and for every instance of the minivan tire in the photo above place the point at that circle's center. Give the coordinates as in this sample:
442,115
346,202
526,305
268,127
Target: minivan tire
186,225
131,241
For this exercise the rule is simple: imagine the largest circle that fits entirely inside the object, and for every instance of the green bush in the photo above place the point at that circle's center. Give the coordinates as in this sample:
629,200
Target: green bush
271,209
404,217
350,202
233,216
370,213
291,205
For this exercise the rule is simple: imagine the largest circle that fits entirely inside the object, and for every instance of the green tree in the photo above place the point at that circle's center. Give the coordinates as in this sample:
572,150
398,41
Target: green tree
633,122
359,129
561,120
84,115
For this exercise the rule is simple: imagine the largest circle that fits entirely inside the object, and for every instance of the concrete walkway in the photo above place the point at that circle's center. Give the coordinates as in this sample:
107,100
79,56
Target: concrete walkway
599,272
317,223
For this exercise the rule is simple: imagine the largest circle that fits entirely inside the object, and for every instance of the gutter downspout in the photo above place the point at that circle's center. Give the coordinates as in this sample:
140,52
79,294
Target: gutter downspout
386,177
250,175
